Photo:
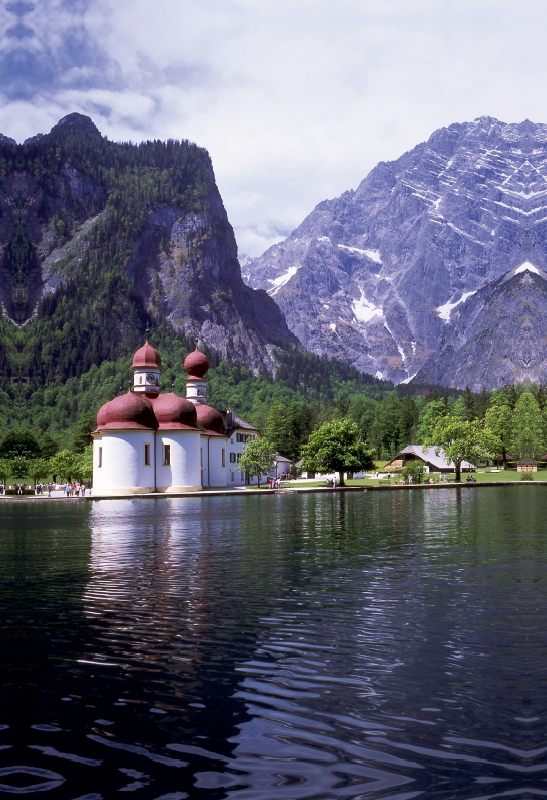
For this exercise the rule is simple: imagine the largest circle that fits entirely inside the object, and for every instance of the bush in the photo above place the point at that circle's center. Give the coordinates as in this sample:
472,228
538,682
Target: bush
416,469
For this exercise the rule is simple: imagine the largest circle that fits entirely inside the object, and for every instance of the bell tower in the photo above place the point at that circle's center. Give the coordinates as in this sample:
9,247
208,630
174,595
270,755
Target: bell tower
146,368
196,365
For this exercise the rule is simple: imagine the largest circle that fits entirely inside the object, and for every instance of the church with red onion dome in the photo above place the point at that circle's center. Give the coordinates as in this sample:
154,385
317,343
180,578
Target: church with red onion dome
147,441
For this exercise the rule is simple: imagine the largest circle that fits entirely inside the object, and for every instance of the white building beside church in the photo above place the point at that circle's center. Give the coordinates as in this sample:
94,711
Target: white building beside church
146,441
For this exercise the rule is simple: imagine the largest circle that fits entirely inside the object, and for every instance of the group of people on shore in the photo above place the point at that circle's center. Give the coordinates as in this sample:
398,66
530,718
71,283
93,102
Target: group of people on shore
19,488
75,489
442,479
70,490
274,483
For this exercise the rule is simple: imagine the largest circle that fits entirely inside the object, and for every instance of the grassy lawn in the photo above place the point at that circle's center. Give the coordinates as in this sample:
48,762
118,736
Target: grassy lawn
508,475
481,476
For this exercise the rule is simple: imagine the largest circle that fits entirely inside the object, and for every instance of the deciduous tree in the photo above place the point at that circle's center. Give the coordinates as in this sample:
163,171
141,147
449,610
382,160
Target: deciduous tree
498,420
463,440
64,465
20,442
258,458
528,428
336,447
429,416
38,468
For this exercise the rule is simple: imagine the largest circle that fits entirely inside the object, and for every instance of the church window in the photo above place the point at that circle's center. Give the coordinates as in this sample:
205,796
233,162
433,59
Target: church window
233,473
238,457
232,458
147,461
100,457
166,455
223,457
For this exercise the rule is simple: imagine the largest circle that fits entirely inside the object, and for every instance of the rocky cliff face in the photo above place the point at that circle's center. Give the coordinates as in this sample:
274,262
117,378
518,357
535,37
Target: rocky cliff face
497,335
120,235
185,267
386,276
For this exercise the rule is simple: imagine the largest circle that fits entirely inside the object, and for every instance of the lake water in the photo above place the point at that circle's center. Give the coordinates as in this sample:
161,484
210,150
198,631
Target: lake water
360,645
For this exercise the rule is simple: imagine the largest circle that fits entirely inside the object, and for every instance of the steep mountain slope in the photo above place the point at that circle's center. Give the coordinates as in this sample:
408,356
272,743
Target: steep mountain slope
99,239
497,336
373,277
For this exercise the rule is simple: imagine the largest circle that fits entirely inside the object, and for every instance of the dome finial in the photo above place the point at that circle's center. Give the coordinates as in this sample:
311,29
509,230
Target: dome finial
196,364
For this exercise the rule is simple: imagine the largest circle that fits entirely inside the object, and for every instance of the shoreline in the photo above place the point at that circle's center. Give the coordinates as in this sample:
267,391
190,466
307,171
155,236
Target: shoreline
284,490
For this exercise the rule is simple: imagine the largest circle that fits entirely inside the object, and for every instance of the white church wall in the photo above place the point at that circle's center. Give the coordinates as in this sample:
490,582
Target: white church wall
204,460
184,472
119,463
217,464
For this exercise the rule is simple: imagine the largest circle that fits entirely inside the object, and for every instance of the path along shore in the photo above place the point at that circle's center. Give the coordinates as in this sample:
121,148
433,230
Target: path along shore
249,492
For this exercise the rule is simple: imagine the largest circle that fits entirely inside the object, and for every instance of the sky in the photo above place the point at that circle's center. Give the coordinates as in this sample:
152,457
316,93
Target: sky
295,100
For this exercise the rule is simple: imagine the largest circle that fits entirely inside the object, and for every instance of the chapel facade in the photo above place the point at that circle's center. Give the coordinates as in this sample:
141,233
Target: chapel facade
149,441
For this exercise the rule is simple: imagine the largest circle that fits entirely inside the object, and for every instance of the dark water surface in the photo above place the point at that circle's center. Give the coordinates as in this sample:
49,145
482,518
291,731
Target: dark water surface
371,645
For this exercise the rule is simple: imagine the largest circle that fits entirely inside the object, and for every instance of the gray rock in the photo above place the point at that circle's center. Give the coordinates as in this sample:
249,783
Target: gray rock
183,265
497,336
373,277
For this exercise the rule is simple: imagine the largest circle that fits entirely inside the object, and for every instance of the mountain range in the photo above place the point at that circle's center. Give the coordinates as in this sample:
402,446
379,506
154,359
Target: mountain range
434,271
418,274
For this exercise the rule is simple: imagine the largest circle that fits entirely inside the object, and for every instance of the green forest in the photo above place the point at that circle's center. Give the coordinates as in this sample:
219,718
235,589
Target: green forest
96,313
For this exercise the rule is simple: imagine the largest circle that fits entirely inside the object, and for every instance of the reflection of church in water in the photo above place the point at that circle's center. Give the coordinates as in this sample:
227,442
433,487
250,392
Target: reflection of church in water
151,442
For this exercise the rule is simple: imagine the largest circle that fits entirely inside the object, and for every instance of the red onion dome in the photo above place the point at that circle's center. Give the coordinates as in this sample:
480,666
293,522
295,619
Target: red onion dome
147,356
196,364
129,411
209,419
173,412
101,421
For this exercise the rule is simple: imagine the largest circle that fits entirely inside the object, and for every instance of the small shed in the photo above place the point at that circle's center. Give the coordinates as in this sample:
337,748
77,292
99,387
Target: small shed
431,460
282,467
527,465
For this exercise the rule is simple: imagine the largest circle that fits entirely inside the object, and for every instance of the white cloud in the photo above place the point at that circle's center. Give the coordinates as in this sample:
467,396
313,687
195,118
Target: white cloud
296,100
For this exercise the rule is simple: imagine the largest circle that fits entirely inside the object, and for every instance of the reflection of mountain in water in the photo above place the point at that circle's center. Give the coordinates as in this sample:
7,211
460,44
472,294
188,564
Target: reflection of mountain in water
44,567
276,647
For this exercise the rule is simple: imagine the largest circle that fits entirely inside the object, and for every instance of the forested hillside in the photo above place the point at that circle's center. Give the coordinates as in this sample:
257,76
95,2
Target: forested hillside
101,239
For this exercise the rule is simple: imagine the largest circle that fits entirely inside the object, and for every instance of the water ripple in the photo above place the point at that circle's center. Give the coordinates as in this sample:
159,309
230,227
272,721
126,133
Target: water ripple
385,646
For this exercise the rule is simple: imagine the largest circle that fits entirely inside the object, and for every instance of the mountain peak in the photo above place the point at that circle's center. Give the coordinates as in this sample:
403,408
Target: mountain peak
371,279
76,121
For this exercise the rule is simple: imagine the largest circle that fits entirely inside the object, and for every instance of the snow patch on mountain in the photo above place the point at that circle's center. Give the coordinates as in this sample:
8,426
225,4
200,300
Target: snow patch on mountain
419,237
527,267
446,309
282,280
374,255
364,311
